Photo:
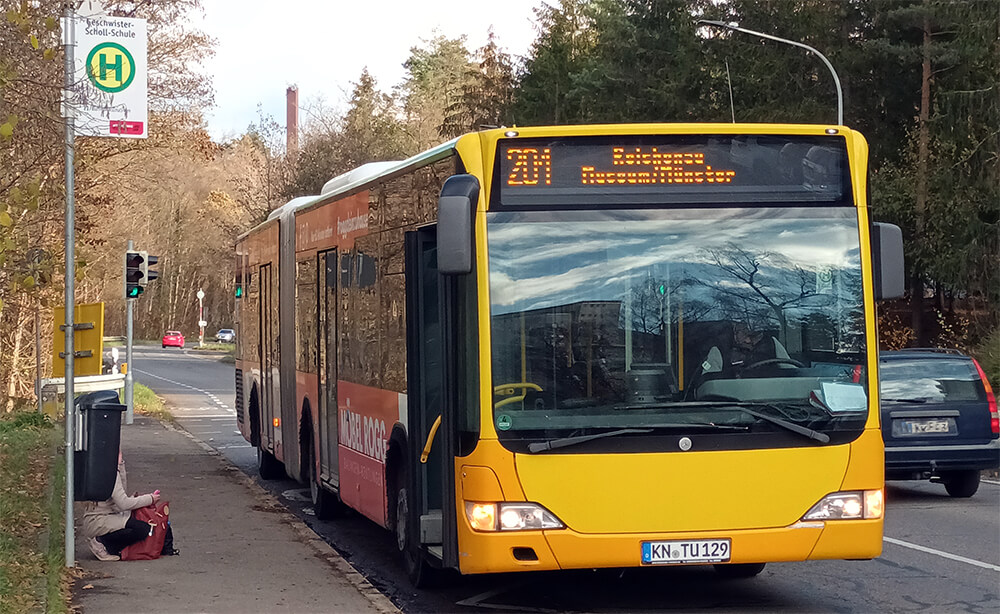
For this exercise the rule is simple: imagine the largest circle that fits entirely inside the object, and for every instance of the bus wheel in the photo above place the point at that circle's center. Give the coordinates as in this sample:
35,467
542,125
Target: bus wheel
325,504
268,466
420,573
739,570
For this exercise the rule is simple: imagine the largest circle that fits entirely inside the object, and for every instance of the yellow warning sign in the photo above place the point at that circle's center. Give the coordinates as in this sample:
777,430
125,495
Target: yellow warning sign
88,340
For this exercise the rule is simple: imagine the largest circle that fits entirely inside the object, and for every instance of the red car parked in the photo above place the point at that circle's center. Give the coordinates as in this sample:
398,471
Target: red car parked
173,338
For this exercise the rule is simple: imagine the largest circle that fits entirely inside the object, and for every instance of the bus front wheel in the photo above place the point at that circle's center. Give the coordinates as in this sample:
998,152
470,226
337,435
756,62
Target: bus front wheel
739,570
421,574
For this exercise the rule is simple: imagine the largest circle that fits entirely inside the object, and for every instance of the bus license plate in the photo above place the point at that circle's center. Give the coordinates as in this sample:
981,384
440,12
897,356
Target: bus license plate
686,551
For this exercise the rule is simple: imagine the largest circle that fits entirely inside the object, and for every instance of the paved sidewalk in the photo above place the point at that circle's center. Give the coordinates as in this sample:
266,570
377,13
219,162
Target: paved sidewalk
240,549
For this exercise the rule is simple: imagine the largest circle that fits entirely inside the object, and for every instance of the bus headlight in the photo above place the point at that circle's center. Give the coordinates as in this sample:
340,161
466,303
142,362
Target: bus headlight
510,517
865,504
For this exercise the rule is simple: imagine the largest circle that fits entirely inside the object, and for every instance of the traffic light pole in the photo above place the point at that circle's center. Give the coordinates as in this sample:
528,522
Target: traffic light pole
129,302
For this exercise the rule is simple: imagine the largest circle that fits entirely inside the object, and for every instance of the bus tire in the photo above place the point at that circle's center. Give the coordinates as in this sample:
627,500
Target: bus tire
420,573
268,466
739,570
325,504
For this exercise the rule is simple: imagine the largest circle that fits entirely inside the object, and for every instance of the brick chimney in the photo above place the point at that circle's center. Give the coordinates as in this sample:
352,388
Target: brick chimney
292,121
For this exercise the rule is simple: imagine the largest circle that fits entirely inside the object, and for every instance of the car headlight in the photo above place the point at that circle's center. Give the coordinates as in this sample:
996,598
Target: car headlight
867,504
510,517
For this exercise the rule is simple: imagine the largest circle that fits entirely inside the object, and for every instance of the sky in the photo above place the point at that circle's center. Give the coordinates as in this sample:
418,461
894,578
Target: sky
321,46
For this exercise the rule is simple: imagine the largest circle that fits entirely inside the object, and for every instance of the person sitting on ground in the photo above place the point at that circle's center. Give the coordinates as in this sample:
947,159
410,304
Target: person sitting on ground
110,525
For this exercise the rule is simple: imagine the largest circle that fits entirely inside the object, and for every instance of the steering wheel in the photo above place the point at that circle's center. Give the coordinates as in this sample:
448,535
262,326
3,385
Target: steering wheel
776,361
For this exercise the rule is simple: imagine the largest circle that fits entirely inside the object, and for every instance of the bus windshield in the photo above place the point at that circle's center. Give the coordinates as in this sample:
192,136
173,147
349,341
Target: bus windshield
656,319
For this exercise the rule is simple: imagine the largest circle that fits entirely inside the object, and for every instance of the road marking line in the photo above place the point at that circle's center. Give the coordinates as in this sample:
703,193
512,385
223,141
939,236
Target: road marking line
947,555
992,482
183,385
477,601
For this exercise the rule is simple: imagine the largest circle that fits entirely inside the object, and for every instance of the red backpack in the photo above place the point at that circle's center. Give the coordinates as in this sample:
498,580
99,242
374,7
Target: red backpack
160,539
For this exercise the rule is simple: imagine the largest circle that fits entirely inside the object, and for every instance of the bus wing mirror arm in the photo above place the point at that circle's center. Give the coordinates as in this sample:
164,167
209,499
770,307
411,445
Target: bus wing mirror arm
455,224
887,256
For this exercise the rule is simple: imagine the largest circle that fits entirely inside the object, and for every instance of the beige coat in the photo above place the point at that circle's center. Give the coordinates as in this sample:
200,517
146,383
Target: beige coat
103,517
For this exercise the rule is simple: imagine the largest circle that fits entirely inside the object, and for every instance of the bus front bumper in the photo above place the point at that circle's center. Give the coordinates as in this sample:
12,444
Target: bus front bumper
567,549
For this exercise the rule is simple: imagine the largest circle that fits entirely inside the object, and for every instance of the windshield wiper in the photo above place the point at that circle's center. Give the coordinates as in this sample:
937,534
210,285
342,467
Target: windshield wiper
905,400
745,408
791,426
562,442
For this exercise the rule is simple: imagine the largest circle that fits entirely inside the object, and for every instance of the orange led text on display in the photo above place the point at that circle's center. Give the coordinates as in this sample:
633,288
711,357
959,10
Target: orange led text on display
658,168
532,166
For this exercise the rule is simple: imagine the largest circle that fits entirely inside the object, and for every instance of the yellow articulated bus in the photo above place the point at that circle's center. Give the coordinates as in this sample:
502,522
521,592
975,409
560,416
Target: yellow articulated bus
581,346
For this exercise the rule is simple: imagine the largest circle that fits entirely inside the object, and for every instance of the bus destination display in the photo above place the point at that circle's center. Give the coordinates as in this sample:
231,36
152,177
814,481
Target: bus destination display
670,169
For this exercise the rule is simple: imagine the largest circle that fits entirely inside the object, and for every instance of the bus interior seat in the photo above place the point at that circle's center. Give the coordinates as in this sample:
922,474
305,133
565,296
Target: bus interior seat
780,351
790,160
713,362
820,169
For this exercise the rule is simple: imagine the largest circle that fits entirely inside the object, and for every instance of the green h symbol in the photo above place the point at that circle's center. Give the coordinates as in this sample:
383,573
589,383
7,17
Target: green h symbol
105,67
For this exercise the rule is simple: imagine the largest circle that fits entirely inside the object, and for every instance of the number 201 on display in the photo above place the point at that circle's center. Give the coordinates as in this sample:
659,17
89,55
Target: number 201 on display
531,166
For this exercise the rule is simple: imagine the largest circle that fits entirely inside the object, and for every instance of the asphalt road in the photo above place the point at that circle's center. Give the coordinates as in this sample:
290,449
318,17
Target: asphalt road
941,554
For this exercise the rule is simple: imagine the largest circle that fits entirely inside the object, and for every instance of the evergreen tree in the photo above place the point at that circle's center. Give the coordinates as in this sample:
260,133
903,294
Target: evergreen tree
437,78
487,95
546,88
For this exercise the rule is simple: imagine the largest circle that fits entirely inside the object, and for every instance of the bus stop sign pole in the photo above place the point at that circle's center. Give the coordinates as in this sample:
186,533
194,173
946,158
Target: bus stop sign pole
69,414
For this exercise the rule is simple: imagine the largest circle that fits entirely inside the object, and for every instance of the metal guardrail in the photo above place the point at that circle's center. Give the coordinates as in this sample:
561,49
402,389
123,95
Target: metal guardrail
88,383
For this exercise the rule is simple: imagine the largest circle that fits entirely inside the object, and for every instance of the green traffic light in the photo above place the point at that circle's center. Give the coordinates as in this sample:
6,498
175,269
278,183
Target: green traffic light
239,291
663,289
134,292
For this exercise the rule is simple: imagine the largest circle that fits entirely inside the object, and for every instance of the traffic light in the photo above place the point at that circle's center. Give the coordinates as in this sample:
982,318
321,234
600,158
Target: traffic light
148,274
134,264
138,273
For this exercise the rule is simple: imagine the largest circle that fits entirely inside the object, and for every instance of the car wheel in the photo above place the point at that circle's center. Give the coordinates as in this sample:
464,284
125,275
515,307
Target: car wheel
739,570
163,346
961,484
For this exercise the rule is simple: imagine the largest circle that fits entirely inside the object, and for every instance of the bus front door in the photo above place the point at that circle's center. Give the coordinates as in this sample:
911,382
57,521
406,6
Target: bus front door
431,430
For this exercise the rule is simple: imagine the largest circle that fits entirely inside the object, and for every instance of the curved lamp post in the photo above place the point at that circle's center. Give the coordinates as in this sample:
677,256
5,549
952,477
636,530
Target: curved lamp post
836,79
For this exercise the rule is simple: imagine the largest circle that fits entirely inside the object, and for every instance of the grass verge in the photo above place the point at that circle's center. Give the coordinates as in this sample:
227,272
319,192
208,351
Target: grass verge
146,403
33,577
212,346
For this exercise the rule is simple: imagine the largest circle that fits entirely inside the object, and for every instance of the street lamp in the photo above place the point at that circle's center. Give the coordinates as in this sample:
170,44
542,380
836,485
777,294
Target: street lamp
836,80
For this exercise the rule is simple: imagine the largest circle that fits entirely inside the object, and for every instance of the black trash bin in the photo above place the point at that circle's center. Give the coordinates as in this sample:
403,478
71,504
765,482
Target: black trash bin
96,466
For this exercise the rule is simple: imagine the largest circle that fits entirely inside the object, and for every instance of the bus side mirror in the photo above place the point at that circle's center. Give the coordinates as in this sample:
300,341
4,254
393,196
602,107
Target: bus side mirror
887,256
456,214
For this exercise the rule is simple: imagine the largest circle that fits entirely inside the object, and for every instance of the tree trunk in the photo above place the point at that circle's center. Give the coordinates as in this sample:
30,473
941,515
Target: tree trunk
923,138
15,356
